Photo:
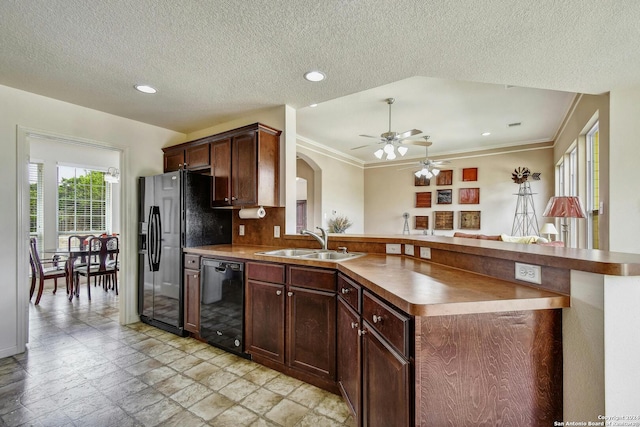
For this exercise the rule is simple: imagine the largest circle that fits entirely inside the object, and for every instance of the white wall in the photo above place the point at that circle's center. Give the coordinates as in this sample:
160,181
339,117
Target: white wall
342,187
390,191
52,153
140,146
624,211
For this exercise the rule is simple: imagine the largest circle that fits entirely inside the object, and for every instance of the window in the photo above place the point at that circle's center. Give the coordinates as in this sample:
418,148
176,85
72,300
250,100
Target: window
84,202
593,187
36,200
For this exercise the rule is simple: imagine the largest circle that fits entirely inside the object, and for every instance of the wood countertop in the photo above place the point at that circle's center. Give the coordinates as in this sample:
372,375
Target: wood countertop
419,288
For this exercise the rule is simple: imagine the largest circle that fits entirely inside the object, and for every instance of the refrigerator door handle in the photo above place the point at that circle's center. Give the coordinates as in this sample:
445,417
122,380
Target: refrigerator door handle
155,231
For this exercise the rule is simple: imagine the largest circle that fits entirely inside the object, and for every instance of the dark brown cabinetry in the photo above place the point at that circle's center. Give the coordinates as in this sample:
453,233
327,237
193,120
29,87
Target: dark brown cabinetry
245,168
291,320
374,376
244,164
194,156
192,293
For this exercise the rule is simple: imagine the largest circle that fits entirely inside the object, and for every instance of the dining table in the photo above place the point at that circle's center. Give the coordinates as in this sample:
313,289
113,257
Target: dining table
71,254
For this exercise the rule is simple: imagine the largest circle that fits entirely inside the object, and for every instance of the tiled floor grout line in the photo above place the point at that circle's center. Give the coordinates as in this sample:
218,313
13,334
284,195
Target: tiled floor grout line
84,369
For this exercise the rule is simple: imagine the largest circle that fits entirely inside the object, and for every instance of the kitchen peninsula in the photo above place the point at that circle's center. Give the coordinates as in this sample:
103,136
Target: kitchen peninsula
456,345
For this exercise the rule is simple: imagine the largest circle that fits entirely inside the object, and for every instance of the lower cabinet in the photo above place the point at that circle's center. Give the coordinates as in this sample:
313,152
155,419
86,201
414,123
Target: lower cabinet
373,375
192,293
265,319
386,393
291,320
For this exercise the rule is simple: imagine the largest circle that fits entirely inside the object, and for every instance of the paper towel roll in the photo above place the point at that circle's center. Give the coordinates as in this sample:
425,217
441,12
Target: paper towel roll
253,213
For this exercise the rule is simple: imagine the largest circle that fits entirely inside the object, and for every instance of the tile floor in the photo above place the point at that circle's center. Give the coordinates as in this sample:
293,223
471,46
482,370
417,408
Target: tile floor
83,369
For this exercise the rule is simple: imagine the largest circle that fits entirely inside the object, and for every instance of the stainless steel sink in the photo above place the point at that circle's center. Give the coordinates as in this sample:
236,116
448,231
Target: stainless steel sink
332,255
290,252
316,254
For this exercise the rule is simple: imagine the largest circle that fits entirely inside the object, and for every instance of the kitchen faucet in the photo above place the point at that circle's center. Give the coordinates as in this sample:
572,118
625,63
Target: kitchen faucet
324,240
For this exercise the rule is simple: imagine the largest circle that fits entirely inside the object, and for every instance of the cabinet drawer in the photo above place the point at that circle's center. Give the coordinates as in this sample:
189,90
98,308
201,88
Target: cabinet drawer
389,322
313,278
192,261
273,273
350,291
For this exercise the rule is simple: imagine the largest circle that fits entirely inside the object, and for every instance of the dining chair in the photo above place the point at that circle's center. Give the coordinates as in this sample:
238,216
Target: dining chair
42,270
105,252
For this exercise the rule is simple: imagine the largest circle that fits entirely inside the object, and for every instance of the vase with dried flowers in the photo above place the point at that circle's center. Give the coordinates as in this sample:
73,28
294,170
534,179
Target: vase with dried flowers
339,224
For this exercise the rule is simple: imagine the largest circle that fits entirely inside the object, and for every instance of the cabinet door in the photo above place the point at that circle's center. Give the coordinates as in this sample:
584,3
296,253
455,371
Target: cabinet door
312,331
221,172
197,157
173,161
349,356
386,397
192,300
245,170
265,320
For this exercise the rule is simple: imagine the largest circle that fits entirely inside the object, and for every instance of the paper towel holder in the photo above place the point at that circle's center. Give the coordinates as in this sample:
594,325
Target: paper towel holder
252,213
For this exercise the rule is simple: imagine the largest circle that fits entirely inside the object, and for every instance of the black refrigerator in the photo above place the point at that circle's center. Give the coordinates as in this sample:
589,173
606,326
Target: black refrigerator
174,212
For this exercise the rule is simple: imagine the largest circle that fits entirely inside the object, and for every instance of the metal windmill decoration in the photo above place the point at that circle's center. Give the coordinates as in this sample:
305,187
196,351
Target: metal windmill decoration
525,222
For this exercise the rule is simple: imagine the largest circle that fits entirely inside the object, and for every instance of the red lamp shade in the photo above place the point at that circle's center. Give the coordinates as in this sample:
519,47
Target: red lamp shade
564,207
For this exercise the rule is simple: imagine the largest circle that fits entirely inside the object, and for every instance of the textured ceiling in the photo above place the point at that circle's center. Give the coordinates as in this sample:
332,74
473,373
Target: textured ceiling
215,60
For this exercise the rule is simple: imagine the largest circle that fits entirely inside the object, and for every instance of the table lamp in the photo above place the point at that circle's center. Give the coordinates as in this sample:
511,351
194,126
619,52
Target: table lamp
564,207
549,229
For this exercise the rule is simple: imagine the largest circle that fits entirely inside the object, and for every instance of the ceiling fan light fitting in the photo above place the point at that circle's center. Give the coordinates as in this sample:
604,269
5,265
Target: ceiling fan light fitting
418,174
391,156
402,150
435,172
379,153
388,148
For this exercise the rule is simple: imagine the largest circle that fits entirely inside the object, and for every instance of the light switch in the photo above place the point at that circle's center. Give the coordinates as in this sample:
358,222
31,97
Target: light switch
241,230
276,231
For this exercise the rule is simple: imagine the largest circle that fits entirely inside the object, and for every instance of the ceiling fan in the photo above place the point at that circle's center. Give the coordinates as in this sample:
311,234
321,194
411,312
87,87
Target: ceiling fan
429,168
390,139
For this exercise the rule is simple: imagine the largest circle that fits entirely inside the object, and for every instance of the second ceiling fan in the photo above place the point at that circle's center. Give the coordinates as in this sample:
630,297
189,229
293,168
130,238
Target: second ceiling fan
392,139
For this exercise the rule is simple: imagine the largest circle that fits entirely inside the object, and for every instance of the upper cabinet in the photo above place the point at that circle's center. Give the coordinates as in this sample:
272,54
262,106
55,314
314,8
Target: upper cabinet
194,156
245,167
244,164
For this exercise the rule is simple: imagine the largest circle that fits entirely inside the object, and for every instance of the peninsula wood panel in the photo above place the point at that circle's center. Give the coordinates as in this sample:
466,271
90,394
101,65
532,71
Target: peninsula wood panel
490,369
553,279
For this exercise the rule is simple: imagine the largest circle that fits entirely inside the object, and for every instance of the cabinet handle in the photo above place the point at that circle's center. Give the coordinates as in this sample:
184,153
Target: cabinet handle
278,292
354,325
345,290
234,198
195,276
226,199
377,319
290,294
361,332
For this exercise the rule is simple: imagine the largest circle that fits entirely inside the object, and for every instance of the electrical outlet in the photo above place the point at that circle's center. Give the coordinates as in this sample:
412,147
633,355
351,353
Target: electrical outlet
394,248
425,253
529,273
276,231
408,250
241,230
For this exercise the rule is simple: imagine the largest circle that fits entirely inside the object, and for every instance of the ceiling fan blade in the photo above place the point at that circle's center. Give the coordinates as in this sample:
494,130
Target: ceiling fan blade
370,136
362,146
408,133
421,143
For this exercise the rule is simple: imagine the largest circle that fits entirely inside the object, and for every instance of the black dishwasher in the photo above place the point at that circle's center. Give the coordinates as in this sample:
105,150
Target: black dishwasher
222,304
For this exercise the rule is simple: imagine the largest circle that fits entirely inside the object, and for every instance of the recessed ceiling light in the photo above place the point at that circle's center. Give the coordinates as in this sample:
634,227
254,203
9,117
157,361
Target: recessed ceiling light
313,105
314,76
146,88
486,133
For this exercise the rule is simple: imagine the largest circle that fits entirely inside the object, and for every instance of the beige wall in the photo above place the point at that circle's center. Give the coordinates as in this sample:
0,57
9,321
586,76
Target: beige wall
588,109
140,146
624,159
342,187
390,191
304,171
